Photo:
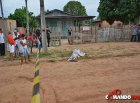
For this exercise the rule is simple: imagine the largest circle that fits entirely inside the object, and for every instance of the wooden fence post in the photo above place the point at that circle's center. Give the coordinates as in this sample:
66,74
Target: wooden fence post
59,38
96,34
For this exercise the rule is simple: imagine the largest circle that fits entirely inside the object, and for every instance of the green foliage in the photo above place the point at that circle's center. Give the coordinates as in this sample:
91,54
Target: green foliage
98,18
47,11
75,8
123,10
20,16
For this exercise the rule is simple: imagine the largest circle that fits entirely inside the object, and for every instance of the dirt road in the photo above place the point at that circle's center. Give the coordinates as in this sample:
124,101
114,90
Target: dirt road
85,81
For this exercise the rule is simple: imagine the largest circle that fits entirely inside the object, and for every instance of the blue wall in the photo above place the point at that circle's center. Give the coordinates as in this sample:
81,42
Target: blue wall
60,26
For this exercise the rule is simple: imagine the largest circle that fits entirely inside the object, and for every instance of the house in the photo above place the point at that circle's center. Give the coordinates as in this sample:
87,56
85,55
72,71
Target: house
105,24
59,21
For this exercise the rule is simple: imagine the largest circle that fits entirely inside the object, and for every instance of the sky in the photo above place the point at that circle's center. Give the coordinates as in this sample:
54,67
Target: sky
9,6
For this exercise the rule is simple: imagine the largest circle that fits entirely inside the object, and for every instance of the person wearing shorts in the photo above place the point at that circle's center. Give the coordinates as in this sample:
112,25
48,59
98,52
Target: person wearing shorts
39,44
11,48
11,43
26,51
31,40
23,51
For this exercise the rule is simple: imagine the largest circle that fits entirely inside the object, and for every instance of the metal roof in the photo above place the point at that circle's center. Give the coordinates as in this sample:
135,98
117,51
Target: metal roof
58,14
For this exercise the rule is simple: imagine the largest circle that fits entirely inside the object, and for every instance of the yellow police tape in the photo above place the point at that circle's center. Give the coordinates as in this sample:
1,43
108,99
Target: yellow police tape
36,92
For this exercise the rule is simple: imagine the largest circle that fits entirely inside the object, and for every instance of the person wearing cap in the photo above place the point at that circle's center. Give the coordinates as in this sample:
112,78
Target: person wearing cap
2,43
48,32
11,44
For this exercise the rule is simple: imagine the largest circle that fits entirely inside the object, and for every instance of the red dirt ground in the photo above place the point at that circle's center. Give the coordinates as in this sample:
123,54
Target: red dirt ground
85,81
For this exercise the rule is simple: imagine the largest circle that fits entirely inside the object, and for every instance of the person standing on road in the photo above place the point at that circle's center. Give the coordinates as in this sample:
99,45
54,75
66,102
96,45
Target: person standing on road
139,33
15,37
2,43
22,50
69,35
48,32
134,32
25,47
11,44
39,43
31,41
38,32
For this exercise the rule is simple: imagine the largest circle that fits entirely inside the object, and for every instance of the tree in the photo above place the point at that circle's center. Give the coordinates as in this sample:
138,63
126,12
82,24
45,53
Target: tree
98,18
46,11
123,10
75,8
20,17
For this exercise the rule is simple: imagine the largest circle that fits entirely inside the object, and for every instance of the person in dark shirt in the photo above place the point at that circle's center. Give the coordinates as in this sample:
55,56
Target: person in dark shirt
138,32
38,32
69,35
40,39
48,32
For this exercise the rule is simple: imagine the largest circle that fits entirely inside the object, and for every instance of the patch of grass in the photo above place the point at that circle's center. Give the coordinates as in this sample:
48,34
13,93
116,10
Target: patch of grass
48,54
103,56
65,53
33,55
51,60
118,48
126,55
86,57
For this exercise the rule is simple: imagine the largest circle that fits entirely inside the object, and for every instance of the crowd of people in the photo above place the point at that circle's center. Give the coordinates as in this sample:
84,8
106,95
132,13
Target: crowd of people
18,44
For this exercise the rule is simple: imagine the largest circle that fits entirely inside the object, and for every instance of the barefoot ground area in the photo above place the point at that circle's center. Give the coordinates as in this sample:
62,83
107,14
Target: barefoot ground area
109,66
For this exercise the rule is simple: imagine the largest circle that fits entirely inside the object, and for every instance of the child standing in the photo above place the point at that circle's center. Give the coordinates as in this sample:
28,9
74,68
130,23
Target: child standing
31,40
25,47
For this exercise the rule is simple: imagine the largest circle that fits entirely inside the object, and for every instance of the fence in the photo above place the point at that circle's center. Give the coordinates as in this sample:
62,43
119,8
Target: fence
91,35
95,34
84,36
113,34
55,38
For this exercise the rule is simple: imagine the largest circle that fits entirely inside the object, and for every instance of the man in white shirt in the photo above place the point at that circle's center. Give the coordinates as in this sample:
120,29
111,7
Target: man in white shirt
2,43
15,36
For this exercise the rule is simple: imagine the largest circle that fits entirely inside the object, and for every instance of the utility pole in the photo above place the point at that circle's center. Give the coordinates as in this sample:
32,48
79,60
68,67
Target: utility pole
43,26
27,18
1,9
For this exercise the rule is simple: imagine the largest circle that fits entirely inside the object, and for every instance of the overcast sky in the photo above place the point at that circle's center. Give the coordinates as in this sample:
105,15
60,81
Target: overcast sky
9,6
